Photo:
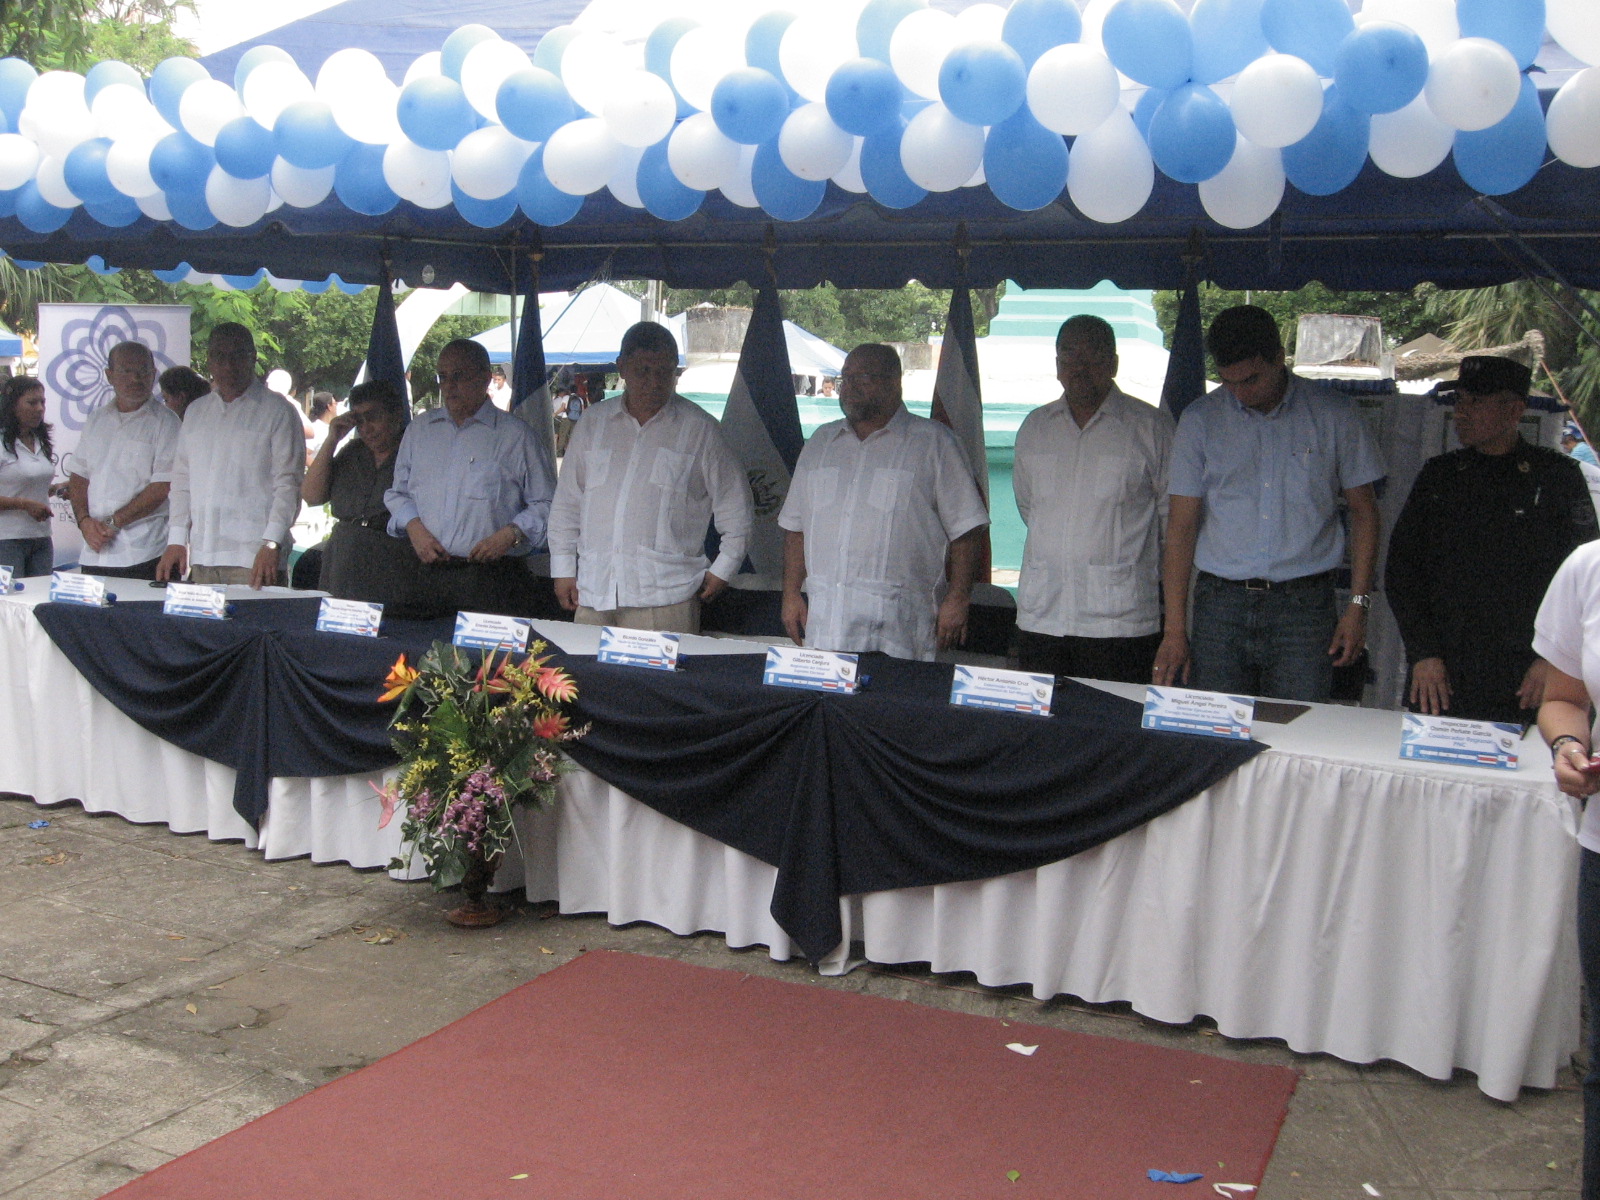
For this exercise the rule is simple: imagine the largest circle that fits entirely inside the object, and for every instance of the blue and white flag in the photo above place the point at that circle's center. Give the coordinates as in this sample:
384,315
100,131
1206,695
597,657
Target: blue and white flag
1186,366
958,403
385,360
530,390
762,424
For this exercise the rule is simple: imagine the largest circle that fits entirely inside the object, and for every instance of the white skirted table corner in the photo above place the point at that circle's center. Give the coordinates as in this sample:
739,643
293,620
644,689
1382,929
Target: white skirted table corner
1327,893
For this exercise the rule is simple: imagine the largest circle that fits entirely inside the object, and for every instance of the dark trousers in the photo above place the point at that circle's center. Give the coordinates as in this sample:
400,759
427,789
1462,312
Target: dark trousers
144,570
1263,643
1589,958
1123,659
504,586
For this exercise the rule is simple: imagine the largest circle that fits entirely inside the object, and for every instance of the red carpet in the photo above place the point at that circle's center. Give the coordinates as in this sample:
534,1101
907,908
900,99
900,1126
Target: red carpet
621,1077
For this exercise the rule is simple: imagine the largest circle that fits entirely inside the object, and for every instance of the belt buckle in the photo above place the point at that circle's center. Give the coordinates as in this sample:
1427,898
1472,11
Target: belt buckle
1258,585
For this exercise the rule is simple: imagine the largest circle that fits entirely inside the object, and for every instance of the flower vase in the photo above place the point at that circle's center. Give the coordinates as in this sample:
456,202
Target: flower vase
477,912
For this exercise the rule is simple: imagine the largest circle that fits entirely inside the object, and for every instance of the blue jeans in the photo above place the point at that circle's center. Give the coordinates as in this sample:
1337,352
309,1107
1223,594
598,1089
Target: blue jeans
1589,957
27,557
1268,643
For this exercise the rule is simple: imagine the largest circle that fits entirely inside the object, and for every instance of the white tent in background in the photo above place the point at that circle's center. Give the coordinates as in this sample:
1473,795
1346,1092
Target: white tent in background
584,327
808,355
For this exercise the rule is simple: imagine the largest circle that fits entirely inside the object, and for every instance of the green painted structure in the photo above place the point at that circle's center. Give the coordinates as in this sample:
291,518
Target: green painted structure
1039,312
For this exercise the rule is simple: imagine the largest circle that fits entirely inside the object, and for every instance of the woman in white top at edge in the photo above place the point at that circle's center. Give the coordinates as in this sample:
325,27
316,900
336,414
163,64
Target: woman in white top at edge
27,464
1567,636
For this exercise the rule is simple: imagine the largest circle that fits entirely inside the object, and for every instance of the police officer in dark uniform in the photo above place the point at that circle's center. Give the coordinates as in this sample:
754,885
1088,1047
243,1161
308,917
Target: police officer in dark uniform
1484,529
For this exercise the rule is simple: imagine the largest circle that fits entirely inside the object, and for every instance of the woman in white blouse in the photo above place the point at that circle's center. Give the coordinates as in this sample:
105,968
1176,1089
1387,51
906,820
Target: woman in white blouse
26,467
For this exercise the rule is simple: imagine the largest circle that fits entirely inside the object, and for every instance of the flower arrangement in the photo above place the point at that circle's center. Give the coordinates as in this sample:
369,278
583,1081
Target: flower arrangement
475,741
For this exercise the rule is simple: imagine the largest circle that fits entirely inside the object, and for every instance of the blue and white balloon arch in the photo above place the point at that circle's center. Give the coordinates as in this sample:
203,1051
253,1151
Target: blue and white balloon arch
1238,97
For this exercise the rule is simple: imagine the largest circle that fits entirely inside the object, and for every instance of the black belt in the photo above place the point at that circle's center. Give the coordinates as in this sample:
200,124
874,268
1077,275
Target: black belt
379,522
1273,585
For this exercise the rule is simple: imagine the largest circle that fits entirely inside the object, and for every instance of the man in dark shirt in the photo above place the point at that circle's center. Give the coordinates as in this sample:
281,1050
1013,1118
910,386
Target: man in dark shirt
1484,529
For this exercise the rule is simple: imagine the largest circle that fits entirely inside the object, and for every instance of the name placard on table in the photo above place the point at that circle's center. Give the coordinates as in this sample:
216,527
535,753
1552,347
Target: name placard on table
5,580
1210,714
195,600
1490,744
814,670
67,588
360,617
490,631
638,648
1008,691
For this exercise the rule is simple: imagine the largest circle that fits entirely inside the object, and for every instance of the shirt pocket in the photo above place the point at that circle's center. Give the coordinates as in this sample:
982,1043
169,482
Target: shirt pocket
1114,475
596,468
887,487
670,469
480,481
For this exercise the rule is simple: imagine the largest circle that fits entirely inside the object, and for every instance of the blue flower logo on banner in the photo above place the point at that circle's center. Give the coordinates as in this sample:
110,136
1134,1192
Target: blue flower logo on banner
78,373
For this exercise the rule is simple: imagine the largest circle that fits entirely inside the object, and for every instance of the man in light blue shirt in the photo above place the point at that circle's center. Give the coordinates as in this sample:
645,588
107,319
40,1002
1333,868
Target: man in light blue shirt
1258,469
472,489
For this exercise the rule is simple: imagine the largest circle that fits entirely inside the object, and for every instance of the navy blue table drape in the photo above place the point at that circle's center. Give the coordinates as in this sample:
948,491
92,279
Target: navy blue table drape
891,788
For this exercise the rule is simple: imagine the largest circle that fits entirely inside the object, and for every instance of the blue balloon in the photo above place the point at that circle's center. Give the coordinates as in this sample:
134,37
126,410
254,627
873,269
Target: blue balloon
485,214
533,104
1508,154
307,136
782,193
1310,29
358,182
749,105
454,51
864,96
243,283
1227,37
552,46
179,163
1518,25
541,200
98,265
36,213
658,49
1192,134
762,40
1034,26
1024,163
245,149
1149,42
176,275
1145,111
8,202
116,213
884,174
877,23
1329,158
104,74
434,113
85,171
1381,67
16,77
189,209
983,83
663,194
169,81
253,58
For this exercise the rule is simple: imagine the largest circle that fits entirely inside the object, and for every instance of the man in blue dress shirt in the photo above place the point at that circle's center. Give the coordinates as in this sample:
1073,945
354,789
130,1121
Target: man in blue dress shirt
472,489
1259,468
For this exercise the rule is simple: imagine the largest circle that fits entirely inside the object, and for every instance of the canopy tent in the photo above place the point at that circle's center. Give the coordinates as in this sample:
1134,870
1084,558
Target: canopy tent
808,355
583,329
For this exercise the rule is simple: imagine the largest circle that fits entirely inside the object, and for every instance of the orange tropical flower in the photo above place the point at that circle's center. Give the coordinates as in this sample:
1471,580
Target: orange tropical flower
388,797
552,725
400,677
557,684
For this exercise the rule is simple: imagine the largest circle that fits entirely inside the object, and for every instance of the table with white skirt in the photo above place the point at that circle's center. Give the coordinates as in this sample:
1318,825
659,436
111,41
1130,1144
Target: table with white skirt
1327,894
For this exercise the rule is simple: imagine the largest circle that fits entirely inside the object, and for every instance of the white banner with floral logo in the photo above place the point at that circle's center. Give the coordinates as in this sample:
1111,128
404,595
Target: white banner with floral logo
74,341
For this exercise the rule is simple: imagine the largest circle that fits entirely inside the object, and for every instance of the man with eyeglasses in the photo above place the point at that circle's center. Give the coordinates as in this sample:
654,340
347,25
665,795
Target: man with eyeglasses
1091,484
471,491
879,501
645,475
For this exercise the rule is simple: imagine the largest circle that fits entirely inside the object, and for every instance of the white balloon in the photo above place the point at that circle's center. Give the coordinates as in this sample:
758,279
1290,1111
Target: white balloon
1474,84
738,189
1434,21
128,165
366,111
1248,190
19,159
53,185
58,119
701,155
811,145
205,108
1094,17
417,175
28,125
274,201
588,68
154,206
940,152
813,48
1072,88
641,109
299,187
486,66
918,48
1410,142
423,66
849,176
979,178
1109,172
1277,100
344,65
1575,26
702,58
1573,123
120,109
236,202
980,23
56,89
487,162
580,156
624,181
271,88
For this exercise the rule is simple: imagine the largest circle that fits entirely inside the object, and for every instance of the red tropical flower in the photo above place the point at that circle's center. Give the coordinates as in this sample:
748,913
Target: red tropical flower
553,725
557,684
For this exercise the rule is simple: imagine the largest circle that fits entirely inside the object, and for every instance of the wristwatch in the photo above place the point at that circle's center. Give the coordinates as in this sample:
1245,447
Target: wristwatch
1362,599
269,544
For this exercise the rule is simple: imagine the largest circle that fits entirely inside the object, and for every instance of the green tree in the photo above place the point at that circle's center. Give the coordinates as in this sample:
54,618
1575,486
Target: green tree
849,316
1405,315
72,34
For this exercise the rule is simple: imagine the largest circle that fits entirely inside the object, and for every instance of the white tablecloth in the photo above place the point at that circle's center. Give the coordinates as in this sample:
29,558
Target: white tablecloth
1326,894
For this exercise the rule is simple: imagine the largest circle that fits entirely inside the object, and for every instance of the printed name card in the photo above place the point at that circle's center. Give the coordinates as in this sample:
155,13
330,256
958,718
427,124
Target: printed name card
1211,714
1008,691
5,580
638,648
489,631
1464,743
77,589
195,600
815,670
359,617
